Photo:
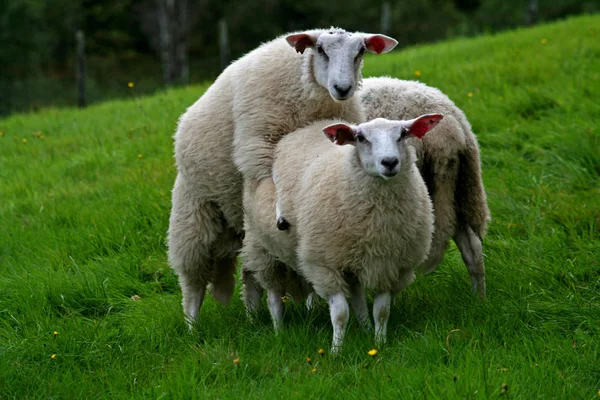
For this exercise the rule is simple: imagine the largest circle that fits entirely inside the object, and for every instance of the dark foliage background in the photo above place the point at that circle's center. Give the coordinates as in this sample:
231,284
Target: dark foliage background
37,37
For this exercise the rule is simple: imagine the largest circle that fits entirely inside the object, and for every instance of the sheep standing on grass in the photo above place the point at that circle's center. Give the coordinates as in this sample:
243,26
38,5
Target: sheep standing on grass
449,162
360,217
262,96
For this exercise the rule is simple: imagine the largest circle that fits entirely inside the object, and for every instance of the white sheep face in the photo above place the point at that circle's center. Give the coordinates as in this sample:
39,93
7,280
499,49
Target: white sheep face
337,57
380,143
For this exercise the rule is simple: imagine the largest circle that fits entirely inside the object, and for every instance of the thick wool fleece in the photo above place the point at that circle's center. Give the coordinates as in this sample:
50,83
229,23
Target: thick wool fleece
343,221
448,156
260,97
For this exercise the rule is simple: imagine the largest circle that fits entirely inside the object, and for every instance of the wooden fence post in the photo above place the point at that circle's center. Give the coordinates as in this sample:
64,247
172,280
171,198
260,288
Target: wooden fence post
80,67
223,43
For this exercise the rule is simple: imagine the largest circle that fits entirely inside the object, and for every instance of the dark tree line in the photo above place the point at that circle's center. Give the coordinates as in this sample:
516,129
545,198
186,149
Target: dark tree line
175,41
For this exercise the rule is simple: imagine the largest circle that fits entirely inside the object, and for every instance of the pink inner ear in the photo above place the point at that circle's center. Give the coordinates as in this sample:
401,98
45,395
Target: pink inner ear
424,124
339,133
300,42
419,129
377,44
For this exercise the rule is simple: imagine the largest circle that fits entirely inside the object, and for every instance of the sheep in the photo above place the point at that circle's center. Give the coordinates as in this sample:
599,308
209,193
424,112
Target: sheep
449,162
360,217
231,131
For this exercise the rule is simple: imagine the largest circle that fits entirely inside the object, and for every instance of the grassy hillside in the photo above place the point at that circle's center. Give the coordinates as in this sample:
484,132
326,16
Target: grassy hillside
89,307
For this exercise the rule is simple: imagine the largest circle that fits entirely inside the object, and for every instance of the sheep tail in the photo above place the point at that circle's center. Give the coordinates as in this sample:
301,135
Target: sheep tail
472,208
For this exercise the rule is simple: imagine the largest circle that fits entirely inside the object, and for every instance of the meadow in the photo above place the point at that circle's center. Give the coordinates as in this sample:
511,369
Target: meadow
89,307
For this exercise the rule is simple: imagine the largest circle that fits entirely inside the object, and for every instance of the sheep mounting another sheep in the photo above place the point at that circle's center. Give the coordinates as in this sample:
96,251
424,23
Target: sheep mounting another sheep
230,133
361,217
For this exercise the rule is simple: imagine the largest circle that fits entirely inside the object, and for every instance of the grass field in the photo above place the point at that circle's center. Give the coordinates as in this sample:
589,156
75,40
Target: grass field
85,200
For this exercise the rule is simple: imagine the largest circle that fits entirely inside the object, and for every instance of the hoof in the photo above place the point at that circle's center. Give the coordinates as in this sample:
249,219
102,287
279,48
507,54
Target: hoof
282,224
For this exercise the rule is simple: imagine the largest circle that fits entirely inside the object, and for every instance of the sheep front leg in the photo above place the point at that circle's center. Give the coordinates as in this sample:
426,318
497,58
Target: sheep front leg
471,249
340,312
275,302
381,314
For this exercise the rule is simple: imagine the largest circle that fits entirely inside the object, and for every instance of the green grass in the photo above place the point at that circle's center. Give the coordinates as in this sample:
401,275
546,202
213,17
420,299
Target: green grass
84,211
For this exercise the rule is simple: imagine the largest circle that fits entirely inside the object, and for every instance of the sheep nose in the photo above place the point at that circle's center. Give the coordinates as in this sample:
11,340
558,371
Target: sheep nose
342,90
389,162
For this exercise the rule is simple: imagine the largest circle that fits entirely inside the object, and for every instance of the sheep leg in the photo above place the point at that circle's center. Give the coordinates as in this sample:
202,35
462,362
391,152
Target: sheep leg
193,296
358,301
194,227
251,292
381,314
275,303
311,301
471,249
223,283
340,312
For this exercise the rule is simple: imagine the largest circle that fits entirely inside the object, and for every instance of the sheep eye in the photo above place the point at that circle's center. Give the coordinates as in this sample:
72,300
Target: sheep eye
321,51
402,135
360,53
360,138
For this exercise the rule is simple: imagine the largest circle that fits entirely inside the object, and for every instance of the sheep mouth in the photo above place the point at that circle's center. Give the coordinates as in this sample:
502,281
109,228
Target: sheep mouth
388,174
340,99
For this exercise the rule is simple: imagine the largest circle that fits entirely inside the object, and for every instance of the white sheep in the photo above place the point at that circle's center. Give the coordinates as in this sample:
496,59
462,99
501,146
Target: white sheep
260,97
360,217
449,161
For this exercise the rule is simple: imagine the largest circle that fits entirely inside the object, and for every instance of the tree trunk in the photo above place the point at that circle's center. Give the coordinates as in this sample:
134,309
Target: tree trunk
173,30
181,45
164,28
532,12
386,11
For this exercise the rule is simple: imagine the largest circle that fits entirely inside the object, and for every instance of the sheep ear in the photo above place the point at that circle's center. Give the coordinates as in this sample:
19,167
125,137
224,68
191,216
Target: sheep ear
300,41
340,134
421,125
377,43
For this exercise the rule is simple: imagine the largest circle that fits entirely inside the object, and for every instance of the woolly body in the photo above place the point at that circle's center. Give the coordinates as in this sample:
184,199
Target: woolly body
449,161
262,96
350,230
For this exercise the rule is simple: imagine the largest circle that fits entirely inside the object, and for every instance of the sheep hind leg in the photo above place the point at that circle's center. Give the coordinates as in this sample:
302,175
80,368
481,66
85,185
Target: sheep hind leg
223,283
471,249
358,301
251,293
193,291
194,226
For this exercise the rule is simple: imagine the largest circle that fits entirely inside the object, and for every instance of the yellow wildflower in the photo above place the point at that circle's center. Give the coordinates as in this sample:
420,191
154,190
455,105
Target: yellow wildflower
1,133
284,299
236,361
139,156
308,360
373,352
314,370
543,41
322,352
470,94
130,84
417,73
24,140
56,333
53,356
42,137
